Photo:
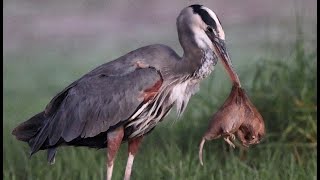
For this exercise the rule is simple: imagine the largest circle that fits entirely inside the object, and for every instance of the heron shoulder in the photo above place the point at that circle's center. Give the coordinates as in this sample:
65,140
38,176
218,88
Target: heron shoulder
159,51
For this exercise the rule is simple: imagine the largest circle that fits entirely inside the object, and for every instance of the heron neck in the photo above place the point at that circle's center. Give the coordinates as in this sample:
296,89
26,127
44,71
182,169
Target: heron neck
198,60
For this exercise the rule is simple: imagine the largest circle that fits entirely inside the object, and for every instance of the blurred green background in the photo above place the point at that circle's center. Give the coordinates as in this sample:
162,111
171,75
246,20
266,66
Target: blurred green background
49,44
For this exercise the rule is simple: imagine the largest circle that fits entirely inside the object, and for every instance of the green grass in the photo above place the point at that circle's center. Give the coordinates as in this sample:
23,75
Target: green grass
283,89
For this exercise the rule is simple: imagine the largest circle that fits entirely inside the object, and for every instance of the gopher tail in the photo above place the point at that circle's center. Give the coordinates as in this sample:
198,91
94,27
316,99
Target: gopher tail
200,150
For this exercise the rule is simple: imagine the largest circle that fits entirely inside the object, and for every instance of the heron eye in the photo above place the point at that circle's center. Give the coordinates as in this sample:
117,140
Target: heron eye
209,29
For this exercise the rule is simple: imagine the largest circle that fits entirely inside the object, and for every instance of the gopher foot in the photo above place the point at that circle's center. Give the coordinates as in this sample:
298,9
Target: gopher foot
229,141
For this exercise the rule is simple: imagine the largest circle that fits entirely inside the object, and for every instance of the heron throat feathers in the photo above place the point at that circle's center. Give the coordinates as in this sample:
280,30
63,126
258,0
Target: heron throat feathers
208,61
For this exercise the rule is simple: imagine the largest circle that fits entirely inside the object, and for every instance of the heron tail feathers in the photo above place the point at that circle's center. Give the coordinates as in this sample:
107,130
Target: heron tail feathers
51,155
28,129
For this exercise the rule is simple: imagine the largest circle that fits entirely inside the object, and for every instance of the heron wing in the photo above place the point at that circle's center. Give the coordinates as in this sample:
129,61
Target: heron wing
98,102
119,67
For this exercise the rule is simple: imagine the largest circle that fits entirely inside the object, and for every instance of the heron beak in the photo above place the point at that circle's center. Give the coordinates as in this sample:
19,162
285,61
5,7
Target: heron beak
221,50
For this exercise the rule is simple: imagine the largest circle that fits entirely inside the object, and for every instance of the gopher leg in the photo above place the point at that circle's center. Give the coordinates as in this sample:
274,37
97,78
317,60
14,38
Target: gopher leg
226,137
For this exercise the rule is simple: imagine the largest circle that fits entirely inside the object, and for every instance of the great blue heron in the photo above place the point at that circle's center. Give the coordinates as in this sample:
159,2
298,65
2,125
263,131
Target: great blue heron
126,98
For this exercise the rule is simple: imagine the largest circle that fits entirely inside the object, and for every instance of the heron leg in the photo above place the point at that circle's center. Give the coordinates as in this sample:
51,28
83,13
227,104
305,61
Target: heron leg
133,146
114,141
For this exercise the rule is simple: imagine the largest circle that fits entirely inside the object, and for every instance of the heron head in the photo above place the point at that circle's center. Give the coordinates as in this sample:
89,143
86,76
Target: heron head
200,26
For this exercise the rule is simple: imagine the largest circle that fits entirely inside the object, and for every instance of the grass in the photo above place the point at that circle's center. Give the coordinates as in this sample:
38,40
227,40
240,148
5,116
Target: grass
283,89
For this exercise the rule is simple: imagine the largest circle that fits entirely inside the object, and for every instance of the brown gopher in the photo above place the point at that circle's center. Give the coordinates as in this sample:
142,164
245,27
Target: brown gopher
236,115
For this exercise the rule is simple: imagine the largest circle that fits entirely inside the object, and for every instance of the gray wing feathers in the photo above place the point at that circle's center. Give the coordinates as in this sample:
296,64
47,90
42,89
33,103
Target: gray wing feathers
98,102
